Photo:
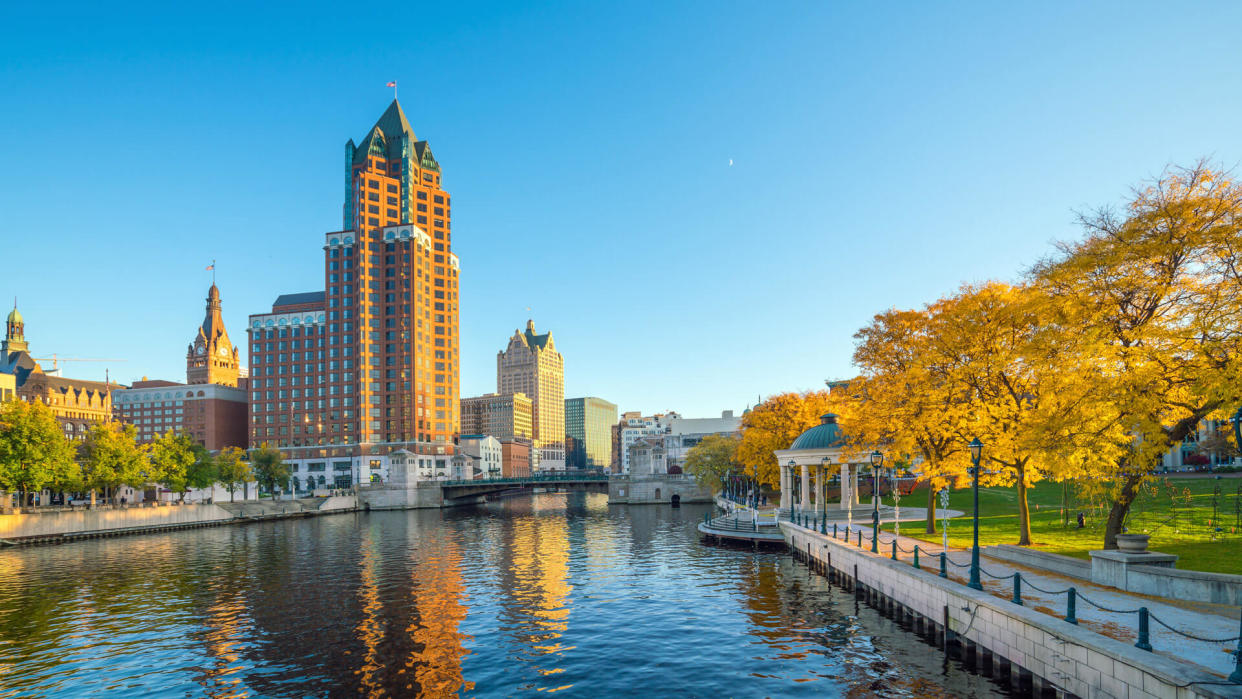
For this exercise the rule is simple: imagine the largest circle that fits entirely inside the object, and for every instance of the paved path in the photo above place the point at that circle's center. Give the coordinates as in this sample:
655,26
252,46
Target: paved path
1203,620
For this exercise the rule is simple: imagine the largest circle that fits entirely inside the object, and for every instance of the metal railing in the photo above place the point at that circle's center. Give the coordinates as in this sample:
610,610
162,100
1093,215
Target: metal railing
542,477
1073,596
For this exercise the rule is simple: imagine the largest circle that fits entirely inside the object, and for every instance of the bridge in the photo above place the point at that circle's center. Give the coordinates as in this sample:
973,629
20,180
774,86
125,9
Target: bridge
580,479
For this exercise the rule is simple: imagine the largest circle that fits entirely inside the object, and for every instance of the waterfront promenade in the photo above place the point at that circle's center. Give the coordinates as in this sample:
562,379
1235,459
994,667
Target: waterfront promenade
1181,634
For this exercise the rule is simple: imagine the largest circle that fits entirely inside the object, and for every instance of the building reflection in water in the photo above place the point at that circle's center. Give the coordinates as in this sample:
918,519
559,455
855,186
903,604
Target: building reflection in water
226,625
440,647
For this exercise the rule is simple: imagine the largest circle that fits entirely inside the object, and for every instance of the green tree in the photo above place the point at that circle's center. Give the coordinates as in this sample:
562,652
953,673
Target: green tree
110,458
712,460
171,456
202,471
33,450
269,469
232,469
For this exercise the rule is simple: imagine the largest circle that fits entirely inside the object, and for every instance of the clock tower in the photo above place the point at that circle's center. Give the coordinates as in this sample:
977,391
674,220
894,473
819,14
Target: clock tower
211,357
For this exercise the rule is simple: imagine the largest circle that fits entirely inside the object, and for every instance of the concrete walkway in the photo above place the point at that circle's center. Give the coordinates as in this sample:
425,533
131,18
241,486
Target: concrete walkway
1202,620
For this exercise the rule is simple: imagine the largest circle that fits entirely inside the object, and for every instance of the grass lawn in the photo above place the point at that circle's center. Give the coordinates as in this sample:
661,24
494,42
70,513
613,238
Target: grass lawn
1180,525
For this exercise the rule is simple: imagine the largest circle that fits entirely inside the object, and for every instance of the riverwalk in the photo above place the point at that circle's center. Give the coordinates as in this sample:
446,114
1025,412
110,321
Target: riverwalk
1179,633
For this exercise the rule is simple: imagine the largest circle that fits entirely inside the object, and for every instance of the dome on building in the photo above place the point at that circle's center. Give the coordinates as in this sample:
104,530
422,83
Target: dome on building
826,435
15,315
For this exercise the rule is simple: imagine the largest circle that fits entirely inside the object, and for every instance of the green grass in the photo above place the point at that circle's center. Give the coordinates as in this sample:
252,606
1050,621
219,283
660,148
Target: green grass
1182,526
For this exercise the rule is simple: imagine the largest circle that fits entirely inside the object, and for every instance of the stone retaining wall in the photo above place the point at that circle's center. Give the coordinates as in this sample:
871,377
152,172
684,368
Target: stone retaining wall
1054,562
62,523
1046,652
1196,585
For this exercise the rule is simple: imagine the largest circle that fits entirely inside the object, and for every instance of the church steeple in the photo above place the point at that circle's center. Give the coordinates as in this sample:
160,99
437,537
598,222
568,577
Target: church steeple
211,358
15,332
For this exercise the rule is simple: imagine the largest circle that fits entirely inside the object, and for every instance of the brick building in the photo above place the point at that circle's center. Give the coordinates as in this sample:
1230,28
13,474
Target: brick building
211,406
369,365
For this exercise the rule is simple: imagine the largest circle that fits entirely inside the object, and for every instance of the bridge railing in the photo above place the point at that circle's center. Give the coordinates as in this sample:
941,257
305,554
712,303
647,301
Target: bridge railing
541,477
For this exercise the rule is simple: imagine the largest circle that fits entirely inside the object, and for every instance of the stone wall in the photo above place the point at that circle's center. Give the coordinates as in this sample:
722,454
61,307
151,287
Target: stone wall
1059,656
653,489
1056,563
424,495
1194,585
61,523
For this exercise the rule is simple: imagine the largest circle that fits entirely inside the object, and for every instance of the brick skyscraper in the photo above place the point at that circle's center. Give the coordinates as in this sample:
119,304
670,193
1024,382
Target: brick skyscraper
369,365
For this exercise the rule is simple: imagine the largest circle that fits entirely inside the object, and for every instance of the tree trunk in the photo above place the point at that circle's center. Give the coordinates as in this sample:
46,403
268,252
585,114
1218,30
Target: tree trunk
1121,508
931,509
1024,510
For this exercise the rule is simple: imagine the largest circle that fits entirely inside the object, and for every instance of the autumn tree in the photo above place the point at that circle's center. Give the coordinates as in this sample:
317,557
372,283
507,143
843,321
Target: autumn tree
775,424
110,458
1156,287
232,469
712,460
34,452
270,470
903,401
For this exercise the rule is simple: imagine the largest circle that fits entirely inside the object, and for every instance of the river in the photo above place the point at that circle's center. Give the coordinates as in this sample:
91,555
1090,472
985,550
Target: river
551,593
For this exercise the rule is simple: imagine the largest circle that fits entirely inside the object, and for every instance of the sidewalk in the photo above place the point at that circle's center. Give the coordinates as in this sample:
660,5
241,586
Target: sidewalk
1205,621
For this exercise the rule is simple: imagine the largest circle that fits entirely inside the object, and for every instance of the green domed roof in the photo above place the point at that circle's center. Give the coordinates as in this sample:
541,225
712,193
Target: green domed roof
826,435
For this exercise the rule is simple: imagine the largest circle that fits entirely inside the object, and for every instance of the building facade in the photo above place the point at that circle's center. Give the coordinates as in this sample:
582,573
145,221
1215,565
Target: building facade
684,433
504,416
211,406
369,366
483,453
588,432
515,458
531,365
635,426
75,403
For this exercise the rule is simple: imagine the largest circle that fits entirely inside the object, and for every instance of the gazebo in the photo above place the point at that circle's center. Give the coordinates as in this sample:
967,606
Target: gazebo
822,447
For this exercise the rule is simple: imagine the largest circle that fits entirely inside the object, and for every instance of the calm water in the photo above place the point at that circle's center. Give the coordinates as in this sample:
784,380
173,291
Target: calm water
551,593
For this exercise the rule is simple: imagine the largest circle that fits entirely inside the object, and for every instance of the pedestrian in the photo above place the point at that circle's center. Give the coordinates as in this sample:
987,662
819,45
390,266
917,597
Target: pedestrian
1082,520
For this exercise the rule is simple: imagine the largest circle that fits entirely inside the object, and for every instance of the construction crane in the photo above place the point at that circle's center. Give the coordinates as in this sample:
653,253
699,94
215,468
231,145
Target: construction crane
55,360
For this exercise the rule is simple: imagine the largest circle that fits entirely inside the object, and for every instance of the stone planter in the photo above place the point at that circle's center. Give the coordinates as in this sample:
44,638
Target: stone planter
1132,543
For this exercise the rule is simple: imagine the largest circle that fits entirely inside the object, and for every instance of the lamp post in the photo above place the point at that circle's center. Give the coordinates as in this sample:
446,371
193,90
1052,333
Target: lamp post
877,460
976,452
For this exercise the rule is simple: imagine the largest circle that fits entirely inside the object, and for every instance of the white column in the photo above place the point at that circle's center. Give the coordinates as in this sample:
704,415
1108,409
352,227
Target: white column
784,487
806,486
845,487
819,489
854,486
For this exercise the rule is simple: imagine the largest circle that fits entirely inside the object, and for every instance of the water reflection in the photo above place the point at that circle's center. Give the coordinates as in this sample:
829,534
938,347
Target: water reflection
555,593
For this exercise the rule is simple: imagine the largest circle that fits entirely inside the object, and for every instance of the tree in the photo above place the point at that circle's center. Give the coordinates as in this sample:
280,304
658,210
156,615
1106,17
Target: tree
904,400
1158,289
712,460
202,471
232,469
110,458
34,452
775,424
171,457
269,469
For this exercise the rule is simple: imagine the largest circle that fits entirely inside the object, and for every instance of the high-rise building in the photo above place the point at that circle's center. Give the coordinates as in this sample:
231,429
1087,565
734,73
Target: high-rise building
588,432
210,406
503,416
531,365
369,365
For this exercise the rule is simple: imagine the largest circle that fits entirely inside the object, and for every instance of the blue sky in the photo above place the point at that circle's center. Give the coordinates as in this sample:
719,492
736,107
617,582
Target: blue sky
883,153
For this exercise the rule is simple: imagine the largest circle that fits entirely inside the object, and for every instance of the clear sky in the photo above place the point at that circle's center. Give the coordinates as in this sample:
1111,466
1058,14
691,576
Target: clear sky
702,201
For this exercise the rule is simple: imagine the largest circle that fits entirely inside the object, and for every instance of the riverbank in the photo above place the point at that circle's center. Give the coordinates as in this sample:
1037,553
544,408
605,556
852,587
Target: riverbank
62,525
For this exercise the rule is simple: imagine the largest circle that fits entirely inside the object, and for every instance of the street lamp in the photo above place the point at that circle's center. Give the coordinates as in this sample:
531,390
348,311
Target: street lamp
877,460
976,452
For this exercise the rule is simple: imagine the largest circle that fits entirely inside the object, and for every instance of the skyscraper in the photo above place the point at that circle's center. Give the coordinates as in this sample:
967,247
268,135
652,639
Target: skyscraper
531,365
588,432
370,364
211,358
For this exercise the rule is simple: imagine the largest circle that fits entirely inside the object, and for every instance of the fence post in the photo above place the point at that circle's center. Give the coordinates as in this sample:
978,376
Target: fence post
894,549
859,538
1236,677
916,556
1071,606
834,530
944,566
823,525
1017,589
1144,636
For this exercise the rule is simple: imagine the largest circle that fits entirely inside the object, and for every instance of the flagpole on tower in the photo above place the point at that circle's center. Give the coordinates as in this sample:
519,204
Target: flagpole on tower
393,85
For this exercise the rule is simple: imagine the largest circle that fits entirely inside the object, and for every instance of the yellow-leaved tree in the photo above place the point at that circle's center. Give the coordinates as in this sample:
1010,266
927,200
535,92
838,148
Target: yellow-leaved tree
775,424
